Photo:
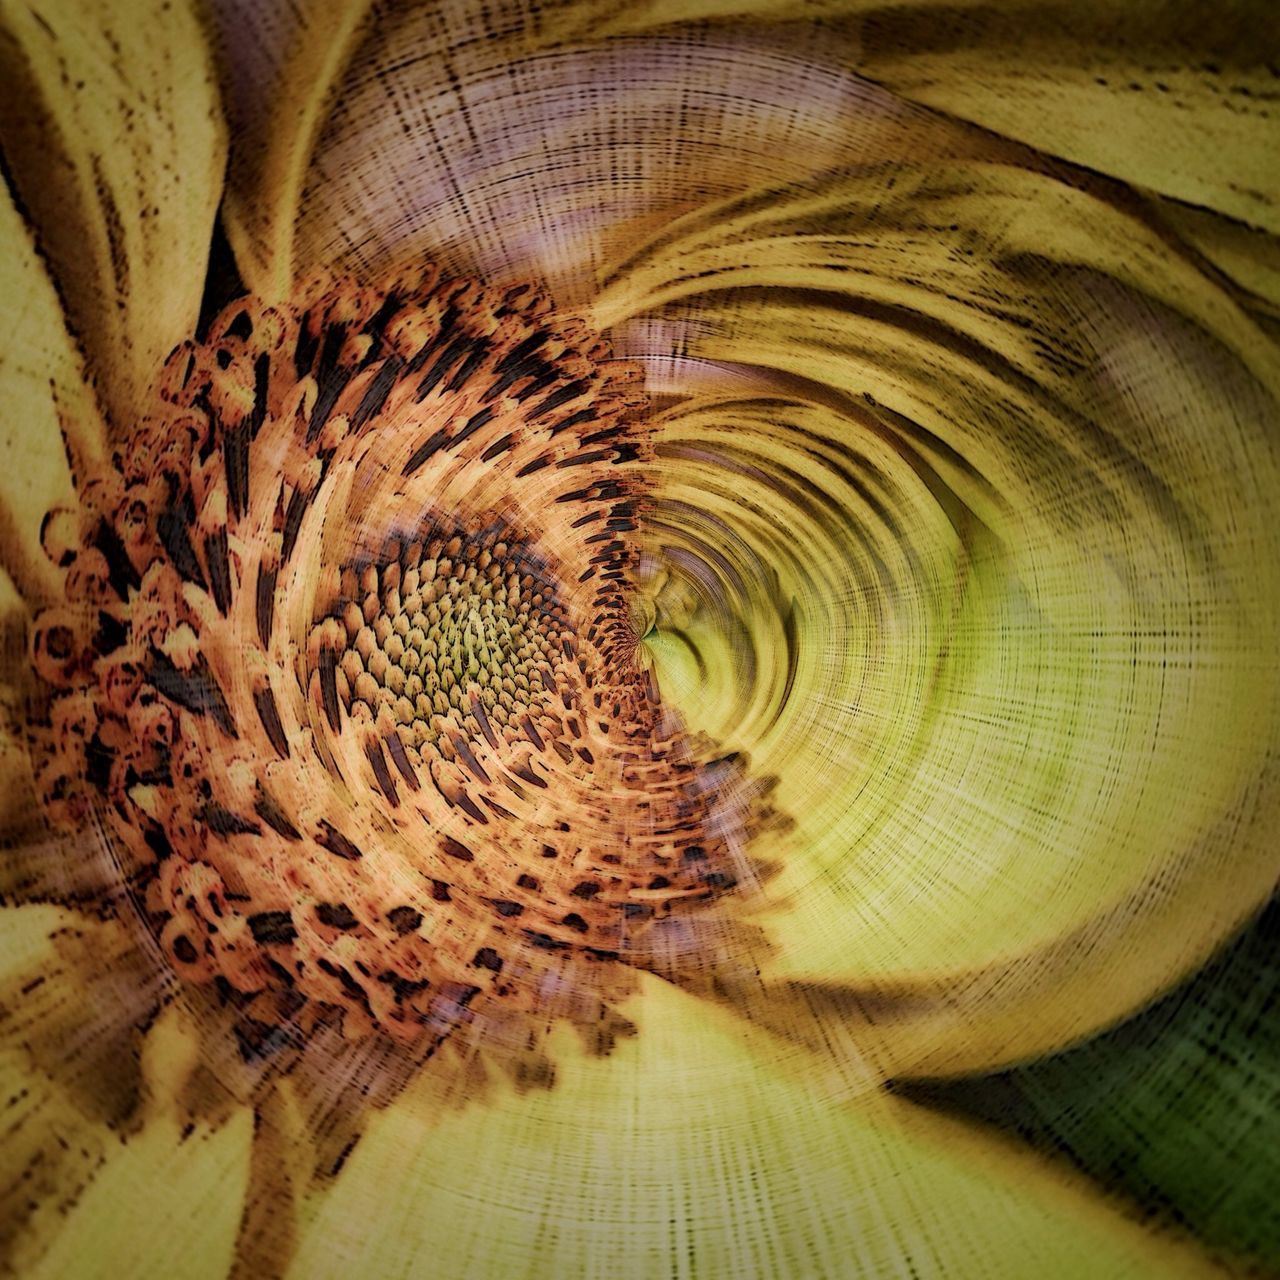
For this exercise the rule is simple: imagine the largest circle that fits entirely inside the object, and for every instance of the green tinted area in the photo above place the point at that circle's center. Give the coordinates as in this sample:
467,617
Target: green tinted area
1177,1110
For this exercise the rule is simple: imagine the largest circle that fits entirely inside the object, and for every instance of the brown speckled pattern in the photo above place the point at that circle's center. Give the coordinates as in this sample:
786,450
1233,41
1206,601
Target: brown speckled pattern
347,661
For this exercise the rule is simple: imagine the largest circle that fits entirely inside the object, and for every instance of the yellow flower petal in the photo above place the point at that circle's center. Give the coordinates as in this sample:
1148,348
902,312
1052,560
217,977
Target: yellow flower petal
111,132
1027,739
1174,99
82,1170
52,1153
472,139
280,65
684,1154
50,419
165,1204
1247,256
1180,106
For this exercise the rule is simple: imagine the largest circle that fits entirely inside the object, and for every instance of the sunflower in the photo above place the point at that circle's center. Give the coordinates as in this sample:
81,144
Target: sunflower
639,639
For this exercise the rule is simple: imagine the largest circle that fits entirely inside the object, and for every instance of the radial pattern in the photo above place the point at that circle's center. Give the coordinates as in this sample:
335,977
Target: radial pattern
347,663
639,640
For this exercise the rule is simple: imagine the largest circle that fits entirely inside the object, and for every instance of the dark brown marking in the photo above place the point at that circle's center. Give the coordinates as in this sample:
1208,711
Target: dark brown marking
335,842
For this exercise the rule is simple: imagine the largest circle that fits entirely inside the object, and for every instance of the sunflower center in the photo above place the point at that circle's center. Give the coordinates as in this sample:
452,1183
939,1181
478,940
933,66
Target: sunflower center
348,665
452,637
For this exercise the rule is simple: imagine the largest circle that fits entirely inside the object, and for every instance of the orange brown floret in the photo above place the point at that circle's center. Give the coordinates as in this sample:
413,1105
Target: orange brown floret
347,665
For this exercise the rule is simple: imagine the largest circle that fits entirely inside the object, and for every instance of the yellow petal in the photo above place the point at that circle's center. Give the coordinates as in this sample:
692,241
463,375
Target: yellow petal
94,1148
466,138
51,421
112,135
1173,99
280,69
167,1203
684,1154
52,1153
1026,735
51,435
1249,257
1177,102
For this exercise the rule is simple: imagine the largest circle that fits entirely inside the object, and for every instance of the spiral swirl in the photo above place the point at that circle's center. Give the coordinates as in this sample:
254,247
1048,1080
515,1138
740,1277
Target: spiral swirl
348,659
728,726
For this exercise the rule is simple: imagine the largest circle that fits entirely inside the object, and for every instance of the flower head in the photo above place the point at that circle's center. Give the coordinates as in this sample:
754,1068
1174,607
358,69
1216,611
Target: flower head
626,632
347,663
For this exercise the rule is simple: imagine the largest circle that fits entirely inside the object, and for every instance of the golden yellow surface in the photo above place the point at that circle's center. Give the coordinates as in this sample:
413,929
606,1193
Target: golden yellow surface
959,329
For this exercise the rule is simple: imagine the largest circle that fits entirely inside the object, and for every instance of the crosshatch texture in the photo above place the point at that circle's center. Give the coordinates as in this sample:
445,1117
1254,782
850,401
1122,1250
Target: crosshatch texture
639,640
